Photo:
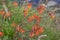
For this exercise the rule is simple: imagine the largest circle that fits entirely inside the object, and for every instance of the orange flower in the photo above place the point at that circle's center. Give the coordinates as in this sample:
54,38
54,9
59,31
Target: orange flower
7,15
31,34
37,18
37,29
25,12
18,28
51,14
4,16
1,33
15,3
29,5
21,30
2,12
31,18
37,33
34,17
41,9
41,30
34,28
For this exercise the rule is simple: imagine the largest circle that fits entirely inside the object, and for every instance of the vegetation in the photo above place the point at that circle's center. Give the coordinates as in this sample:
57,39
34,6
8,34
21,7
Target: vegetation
26,22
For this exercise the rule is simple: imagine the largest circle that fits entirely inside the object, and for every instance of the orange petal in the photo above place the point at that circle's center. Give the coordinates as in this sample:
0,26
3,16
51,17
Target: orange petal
31,34
22,30
29,5
1,33
33,17
2,12
53,16
8,14
37,33
29,19
15,3
41,29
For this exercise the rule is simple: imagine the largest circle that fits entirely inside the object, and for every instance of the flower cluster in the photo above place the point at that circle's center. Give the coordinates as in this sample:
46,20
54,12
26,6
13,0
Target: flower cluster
22,20
36,30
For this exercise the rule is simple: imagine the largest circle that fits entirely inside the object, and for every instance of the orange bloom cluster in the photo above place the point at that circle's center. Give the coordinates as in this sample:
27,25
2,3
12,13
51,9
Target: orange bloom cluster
1,34
37,18
51,14
40,9
7,15
29,5
20,29
31,18
32,34
34,17
15,3
25,12
36,30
